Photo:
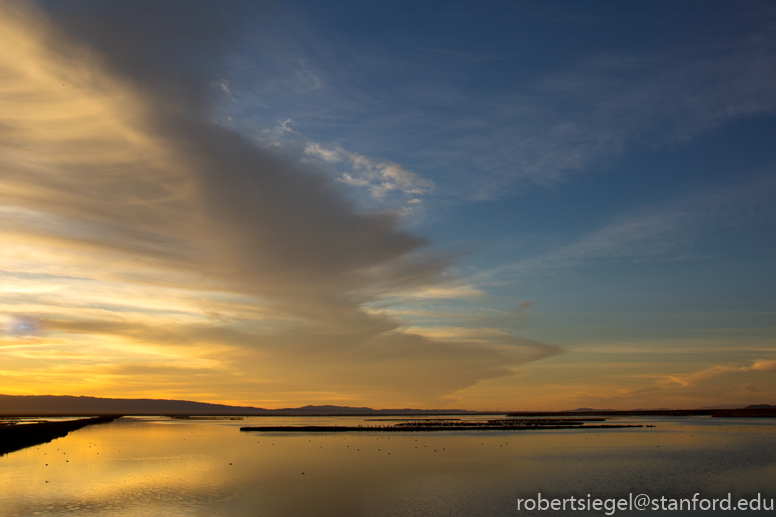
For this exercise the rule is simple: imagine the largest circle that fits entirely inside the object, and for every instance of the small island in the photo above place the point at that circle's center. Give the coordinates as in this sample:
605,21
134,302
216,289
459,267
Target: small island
508,424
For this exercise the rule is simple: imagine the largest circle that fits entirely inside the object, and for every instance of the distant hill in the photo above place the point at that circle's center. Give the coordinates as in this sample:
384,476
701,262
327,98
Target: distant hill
42,405
346,410
723,406
53,405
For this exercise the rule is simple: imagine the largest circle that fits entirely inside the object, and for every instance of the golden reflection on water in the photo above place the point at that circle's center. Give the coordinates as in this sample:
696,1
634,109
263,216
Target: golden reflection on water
165,467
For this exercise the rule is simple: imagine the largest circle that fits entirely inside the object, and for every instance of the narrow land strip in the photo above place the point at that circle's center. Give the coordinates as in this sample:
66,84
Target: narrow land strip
20,436
404,427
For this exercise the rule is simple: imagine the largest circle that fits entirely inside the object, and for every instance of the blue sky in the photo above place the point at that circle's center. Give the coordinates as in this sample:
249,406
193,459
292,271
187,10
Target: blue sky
555,203
618,156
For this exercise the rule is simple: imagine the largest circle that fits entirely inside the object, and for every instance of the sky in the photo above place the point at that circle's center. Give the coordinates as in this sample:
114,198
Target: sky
477,205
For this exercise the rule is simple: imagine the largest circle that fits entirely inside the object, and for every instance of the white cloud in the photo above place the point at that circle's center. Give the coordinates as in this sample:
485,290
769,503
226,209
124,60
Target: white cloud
380,177
329,155
385,182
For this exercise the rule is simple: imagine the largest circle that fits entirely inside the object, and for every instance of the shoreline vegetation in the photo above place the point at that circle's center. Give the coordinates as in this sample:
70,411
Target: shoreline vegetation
449,425
14,437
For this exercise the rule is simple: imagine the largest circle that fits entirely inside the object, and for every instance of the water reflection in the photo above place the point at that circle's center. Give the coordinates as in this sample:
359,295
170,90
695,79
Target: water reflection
161,467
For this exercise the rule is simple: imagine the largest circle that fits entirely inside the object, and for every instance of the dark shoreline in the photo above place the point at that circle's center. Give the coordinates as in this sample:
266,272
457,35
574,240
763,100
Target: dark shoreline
20,436
719,413
422,429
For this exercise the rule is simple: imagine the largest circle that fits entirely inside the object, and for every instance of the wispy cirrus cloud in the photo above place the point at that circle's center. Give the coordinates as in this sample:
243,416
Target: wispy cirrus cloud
670,230
539,125
694,378
569,122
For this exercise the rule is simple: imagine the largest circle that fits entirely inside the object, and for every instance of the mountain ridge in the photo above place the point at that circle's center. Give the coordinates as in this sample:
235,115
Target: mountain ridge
70,405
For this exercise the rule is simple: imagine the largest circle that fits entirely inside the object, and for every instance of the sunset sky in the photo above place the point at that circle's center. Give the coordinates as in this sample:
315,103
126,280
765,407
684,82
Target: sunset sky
479,205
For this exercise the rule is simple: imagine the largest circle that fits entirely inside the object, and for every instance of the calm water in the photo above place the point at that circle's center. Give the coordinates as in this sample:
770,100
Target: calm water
165,467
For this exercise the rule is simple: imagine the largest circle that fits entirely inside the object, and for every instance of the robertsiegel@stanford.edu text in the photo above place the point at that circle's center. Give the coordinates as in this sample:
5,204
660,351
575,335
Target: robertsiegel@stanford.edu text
643,502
